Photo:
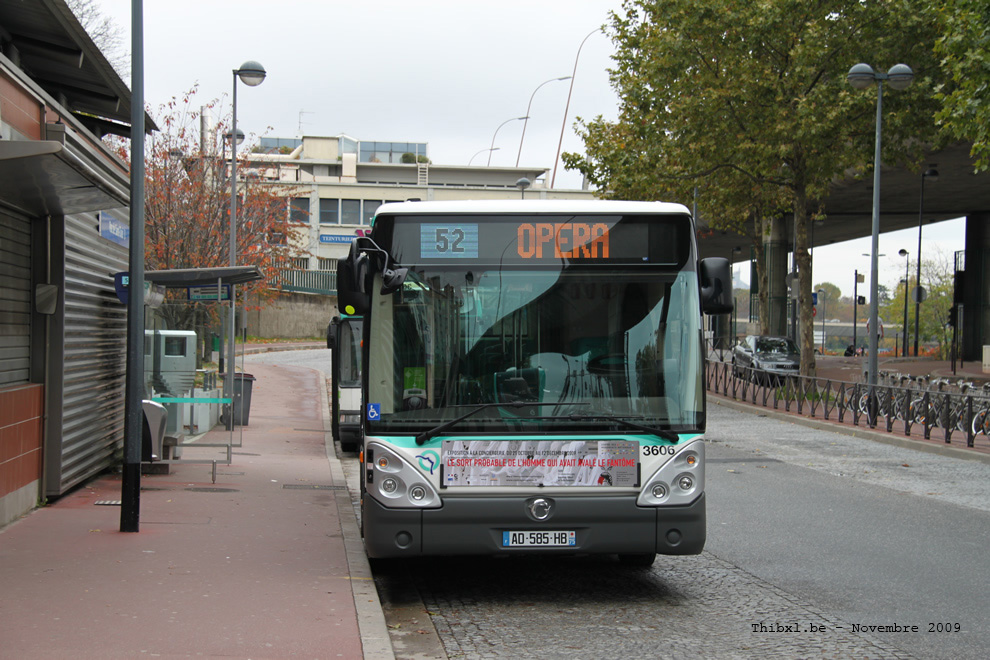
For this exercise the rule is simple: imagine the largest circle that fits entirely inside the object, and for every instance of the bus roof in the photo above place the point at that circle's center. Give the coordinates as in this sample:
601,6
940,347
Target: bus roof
530,207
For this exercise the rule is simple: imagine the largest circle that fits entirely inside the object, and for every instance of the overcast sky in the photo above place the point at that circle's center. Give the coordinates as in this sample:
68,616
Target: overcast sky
445,72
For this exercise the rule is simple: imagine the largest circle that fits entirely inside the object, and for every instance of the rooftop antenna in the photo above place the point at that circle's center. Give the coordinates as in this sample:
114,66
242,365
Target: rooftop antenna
301,113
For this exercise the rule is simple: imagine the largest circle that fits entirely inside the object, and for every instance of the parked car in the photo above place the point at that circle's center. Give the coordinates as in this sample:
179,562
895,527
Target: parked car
766,359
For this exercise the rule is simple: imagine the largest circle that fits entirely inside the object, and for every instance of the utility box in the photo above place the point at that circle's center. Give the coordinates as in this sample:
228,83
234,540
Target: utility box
170,360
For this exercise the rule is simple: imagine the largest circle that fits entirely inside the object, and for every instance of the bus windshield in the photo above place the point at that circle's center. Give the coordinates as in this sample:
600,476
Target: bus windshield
617,341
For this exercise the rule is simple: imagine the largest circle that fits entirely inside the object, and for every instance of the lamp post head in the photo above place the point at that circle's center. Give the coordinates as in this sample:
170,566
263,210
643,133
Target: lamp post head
251,73
930,173
900,76
239,133
861,76
523,183
902,252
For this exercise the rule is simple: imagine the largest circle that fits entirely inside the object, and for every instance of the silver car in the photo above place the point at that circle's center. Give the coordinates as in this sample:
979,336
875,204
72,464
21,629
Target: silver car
766,359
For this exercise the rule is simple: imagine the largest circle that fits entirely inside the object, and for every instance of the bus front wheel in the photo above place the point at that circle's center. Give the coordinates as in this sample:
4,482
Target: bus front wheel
644,560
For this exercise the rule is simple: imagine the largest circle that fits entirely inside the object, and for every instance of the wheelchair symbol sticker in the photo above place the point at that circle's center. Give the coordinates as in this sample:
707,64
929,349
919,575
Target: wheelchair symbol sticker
374,411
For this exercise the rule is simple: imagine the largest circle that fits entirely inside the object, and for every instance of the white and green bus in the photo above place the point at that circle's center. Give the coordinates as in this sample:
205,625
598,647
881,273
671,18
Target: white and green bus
533,377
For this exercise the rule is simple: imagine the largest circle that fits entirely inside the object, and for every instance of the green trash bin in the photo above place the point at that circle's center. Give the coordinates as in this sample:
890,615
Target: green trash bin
243,387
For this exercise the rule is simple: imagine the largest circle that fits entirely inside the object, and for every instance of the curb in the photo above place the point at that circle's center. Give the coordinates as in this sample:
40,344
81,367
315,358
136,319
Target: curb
856,432
375,641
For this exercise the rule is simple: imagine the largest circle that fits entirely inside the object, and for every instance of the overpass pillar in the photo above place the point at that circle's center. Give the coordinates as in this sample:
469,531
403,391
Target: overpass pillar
775,250
976,288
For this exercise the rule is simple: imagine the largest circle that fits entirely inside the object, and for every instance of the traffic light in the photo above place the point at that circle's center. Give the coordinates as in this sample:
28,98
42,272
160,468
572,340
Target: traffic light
861,300
953,316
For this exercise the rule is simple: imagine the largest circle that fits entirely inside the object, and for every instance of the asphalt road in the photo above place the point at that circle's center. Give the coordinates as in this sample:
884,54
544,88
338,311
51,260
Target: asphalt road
872,534
811,534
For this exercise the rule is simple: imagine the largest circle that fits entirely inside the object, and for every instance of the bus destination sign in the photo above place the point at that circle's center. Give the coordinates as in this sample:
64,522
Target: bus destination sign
598,240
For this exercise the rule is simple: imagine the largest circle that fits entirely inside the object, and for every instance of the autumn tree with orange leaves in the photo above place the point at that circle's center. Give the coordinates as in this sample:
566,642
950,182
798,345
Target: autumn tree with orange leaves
187,211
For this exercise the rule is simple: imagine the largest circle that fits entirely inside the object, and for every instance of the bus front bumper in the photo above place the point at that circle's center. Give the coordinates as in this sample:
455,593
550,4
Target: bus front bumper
475,526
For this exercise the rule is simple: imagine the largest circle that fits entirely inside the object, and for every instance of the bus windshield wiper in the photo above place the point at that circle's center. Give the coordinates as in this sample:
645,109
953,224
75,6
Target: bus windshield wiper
426,436
660,433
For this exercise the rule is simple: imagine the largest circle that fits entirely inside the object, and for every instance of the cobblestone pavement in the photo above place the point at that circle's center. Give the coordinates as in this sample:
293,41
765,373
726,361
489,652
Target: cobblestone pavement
684,607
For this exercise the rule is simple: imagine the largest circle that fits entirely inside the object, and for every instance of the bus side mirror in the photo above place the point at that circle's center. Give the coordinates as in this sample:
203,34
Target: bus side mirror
716,286
352,284
392,279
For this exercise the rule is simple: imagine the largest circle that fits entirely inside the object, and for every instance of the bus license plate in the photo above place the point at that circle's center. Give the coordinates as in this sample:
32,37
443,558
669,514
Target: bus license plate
538,539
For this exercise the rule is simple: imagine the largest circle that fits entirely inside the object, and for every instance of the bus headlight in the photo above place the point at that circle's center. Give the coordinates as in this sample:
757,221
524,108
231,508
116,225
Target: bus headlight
685,474
393,474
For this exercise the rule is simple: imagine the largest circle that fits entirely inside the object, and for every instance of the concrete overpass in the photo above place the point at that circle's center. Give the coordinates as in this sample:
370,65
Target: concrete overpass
849,209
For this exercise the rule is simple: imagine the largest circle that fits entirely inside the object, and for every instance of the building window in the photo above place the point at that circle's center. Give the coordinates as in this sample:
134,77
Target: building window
327,264
350,211
299,209
329,214
370,206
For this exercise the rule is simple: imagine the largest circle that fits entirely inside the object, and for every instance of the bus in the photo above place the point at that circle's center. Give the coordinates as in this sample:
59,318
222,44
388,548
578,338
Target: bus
344,340
533,377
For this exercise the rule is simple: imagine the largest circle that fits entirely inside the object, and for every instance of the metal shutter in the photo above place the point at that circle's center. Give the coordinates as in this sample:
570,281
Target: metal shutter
94,336
15,298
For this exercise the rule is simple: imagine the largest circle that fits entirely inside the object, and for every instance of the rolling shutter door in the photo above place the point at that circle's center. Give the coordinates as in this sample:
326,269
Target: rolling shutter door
94,337
15,299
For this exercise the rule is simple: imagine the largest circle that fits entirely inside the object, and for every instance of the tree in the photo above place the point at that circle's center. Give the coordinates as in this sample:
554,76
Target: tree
937,279
105,33
833,296
187,211
748,103
964,48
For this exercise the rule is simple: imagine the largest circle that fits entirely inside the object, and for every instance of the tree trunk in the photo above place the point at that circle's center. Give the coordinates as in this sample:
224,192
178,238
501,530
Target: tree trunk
806,337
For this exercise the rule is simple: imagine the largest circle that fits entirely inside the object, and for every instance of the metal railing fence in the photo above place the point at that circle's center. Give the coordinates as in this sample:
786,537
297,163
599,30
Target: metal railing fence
893,408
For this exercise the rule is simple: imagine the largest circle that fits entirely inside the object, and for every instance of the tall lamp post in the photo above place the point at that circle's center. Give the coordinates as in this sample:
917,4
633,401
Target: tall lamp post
251,74
481,152
530,105
905,254
567,107
492,148
861,76
930,173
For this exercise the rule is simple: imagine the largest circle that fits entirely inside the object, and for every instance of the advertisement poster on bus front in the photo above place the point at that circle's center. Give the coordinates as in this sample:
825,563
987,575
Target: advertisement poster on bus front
598,463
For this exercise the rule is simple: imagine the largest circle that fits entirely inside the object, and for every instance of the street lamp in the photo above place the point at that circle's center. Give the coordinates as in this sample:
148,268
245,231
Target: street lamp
930,173
861,76
251,74
821,296
522,184
567,107
904,253
492,148
519,155
226,140
481,152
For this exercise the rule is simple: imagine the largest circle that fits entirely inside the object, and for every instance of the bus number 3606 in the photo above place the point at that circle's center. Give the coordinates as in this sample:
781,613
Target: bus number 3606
658,450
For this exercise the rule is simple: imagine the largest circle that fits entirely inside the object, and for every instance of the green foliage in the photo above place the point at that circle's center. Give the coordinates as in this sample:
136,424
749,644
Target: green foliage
937,278
832,296
964,49
409,158
747,103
